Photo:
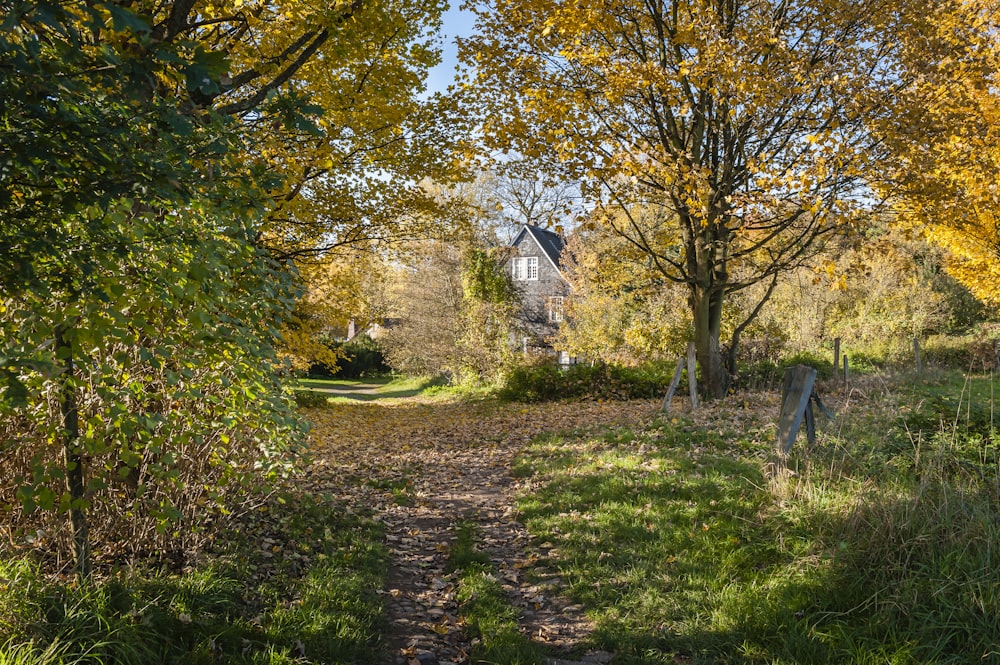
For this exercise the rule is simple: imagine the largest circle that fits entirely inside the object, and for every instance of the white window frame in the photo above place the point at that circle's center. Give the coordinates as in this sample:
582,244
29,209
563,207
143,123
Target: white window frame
525,268
555,306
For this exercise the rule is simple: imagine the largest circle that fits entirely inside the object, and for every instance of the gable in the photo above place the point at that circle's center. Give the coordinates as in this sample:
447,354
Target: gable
549,244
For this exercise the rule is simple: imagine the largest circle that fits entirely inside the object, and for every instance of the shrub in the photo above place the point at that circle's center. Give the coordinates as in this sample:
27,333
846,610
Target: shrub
767,374
310,399
822,365
546,381
359,358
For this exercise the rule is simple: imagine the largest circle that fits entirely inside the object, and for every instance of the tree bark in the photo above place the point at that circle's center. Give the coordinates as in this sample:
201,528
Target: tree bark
706,309
73,457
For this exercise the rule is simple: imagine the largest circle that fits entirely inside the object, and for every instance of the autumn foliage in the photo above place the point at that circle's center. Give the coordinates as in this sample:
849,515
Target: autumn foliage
726,141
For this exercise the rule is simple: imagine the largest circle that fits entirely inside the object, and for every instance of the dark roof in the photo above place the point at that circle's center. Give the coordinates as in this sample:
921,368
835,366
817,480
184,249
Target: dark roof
550,242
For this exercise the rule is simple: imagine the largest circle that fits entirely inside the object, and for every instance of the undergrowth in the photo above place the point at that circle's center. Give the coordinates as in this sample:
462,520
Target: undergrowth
295,585
546,382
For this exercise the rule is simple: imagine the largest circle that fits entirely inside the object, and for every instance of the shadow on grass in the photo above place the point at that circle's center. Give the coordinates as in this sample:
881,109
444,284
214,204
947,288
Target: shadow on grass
689,553
310,598
369,391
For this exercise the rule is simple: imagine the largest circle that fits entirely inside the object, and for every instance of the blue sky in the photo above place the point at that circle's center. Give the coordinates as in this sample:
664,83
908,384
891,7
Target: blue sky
455,23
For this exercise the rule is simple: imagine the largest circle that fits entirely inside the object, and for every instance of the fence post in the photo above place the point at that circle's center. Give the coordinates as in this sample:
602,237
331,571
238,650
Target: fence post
674,382
916,353
692,381
836,356
847,371
797,386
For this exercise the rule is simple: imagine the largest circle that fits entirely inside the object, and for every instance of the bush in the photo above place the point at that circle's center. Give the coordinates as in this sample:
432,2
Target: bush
822,365
971,353
767,374
310,399
359,358
546,381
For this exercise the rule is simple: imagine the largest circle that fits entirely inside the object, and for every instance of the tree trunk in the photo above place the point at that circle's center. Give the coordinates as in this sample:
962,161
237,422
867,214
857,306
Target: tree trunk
706,309
72,457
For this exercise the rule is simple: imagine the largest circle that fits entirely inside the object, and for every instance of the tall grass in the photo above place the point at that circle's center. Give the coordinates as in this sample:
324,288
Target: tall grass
306,594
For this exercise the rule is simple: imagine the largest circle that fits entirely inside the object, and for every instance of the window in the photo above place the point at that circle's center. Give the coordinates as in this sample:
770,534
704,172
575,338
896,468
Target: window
525,268
555,309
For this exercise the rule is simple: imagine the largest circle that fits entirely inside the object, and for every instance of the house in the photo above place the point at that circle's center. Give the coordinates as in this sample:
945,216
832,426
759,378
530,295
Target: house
533,264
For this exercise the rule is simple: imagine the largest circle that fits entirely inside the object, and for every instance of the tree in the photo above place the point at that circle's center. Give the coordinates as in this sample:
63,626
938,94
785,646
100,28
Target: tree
456,312
150,153
748,125
359,136
620,309
137,311
423,337
491,320
943,175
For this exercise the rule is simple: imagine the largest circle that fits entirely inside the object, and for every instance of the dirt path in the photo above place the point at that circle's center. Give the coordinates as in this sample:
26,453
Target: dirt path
425,467
358,391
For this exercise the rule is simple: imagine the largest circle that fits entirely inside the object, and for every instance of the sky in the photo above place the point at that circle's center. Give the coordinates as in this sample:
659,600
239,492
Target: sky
455,23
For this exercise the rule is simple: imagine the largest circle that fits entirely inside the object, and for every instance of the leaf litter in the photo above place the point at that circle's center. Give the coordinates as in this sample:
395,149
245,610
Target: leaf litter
422,468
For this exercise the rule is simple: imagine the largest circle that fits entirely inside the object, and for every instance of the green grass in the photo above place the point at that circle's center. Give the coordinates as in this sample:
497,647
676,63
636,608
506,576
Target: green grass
296,586
325,383
367,390
492,621
881,547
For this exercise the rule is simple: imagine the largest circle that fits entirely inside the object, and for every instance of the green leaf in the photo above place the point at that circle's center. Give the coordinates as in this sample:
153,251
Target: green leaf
123,19
46,498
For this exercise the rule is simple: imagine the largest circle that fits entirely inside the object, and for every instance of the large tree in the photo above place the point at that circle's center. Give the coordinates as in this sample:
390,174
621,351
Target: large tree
149,156
746,123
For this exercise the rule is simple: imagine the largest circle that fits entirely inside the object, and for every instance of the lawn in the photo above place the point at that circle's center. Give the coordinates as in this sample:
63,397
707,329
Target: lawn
367,390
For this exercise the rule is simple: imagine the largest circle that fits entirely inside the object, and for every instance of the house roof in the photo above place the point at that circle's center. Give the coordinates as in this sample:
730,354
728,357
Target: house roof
551,243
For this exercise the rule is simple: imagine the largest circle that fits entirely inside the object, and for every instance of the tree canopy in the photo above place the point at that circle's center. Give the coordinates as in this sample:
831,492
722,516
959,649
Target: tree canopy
750,126
160,164
943,174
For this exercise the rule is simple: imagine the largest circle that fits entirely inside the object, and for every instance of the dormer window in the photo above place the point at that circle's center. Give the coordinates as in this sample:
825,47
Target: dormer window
525,268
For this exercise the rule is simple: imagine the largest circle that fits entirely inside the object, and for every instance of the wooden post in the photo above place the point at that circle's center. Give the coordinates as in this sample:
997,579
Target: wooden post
996,355
810,424
836,356
692,381
797,388
674,382
916,353
847,371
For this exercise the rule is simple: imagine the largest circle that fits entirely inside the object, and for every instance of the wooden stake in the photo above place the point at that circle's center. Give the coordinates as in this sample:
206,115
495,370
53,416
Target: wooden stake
674,382
692,381
797,387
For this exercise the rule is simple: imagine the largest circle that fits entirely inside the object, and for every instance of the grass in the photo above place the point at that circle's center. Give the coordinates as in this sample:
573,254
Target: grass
367,390
880,547
296,585
486,608
326,383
